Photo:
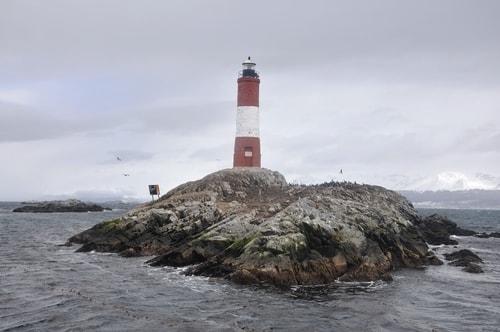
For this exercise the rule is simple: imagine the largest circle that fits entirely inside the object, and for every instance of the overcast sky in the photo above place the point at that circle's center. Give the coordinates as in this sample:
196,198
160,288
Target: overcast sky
384,90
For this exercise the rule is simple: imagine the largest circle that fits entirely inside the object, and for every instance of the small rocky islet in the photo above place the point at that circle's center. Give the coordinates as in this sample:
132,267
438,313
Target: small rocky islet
68,205
250,226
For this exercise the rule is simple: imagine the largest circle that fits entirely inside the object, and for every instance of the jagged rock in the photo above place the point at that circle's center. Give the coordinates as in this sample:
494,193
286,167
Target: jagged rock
462,257
466,259
473,268
487,235
250,226
436,229
70,205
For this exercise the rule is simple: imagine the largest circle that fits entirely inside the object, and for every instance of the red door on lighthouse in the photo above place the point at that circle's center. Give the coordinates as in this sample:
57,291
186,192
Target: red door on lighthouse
247,141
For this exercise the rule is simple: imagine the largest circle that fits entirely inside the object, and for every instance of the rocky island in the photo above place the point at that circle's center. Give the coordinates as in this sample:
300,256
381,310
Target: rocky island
250,226
69,205
247,224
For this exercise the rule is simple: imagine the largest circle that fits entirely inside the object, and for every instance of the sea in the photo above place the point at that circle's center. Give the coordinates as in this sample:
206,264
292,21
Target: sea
46,286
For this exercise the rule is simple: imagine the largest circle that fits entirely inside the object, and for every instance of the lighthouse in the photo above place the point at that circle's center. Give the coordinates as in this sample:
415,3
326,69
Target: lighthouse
247,140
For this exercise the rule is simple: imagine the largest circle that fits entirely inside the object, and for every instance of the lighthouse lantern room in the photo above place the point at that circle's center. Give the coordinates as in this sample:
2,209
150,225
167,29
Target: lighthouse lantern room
247,140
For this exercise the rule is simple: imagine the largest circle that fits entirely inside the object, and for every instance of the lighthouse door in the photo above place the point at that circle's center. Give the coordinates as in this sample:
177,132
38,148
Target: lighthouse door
248,156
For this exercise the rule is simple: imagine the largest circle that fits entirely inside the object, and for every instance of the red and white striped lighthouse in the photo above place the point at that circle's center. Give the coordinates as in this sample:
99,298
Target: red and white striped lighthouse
247,141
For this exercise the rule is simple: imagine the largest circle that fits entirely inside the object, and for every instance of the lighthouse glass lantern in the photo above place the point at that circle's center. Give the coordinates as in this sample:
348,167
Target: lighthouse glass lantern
248,69
247,140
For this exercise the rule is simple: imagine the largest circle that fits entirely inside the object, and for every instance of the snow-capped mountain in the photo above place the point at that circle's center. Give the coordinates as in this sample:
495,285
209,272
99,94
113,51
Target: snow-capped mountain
455,181
449,180
454,190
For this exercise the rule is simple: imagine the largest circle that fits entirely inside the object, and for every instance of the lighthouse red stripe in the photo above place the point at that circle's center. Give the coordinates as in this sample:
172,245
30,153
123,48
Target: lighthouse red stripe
246,152
248,91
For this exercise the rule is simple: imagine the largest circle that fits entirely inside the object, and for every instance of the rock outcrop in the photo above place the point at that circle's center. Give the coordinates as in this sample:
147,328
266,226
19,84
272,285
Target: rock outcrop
70,205
488,235
250,226
436,229
465,258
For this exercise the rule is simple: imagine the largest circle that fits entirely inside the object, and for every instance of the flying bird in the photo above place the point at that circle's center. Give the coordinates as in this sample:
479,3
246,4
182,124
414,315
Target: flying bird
126,174
118,158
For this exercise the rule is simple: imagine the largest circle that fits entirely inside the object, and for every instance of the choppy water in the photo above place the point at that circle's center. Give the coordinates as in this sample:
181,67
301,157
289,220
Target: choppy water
48,287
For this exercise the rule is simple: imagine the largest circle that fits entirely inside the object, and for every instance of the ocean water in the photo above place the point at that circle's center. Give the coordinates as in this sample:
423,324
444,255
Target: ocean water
45,286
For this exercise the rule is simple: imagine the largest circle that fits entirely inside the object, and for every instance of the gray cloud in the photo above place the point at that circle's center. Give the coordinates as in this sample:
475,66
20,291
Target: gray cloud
379,88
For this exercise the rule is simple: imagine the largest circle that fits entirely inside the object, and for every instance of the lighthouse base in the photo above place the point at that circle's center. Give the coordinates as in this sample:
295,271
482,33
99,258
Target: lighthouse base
246,152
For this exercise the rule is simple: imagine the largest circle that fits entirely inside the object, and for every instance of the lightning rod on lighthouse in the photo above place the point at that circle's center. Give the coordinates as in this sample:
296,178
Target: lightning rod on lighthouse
247,140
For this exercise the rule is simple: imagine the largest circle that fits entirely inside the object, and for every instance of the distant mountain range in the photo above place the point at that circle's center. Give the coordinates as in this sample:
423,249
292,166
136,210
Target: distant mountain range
457,199
451,190
444,181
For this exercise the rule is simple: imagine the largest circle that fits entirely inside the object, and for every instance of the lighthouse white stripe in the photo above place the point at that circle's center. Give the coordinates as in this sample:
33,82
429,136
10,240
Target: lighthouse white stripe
247,121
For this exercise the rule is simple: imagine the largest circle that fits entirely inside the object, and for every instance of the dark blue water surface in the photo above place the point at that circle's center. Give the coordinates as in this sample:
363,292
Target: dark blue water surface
48,287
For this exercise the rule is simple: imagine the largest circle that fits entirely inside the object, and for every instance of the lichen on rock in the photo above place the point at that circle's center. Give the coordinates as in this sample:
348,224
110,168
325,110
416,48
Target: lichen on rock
249,225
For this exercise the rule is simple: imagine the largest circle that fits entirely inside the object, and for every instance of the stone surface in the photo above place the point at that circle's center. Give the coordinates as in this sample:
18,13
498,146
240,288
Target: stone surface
466,259
70,205
487,235
250,226
473,268
436,229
